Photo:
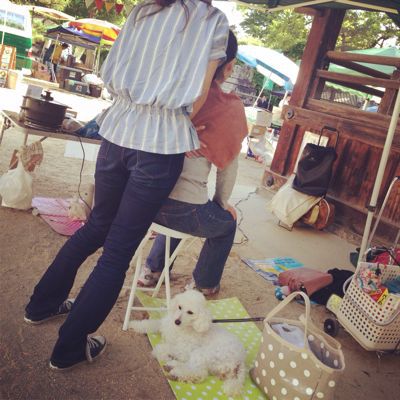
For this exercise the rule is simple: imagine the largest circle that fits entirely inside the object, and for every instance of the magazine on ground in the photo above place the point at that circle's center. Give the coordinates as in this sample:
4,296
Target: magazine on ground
270,268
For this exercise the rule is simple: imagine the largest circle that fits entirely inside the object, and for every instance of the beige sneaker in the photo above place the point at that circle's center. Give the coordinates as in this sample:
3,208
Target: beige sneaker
148,278
206,291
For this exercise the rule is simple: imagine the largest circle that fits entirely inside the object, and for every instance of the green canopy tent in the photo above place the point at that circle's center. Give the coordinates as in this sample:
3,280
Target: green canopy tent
386,69
383,52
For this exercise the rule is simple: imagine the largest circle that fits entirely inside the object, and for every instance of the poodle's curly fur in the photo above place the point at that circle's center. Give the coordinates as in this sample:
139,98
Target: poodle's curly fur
193,347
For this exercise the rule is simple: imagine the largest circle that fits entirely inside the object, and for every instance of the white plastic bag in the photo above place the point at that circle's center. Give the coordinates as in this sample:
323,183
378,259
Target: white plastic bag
289,205
92,79
16,188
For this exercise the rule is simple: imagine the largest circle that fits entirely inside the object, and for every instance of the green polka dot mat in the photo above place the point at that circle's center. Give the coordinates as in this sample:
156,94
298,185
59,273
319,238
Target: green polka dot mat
247,332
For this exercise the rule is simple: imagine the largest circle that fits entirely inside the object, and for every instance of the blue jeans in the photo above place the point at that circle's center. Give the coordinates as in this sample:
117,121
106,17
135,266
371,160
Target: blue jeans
209,221
130,188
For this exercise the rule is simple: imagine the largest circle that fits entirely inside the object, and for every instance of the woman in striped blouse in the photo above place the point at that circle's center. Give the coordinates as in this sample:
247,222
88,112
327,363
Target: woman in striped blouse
159,72
188,208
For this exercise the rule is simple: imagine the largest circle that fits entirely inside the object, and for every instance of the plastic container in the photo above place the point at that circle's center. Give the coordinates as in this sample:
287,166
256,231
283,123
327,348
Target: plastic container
375,326
12,79
95,90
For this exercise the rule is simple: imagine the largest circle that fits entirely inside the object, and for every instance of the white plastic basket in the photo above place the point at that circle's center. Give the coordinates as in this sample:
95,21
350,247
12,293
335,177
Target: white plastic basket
375,326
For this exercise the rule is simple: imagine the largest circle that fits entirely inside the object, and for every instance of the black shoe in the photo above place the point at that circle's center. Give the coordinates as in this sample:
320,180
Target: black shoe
95,347
64,309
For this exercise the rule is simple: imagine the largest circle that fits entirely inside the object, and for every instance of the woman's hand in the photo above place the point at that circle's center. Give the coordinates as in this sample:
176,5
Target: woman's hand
198,152
232,210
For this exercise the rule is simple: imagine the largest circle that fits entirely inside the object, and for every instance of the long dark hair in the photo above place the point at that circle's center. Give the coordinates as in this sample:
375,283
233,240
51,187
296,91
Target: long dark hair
231,51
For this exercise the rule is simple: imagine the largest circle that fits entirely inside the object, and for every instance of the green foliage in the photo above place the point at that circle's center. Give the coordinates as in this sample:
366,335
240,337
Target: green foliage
287,31
284,31
364,30
38,30
250,40
56,4
78,9
258,80
112,16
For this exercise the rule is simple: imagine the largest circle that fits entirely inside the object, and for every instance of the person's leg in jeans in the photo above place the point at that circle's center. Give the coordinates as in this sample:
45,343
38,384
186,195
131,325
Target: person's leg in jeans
156,258
151,179
219,227
56,283
203,220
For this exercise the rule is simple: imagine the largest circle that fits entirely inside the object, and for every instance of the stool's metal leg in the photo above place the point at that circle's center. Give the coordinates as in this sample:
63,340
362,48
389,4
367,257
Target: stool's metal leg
177,250
160,281
167,264
133,290
138,256
169,259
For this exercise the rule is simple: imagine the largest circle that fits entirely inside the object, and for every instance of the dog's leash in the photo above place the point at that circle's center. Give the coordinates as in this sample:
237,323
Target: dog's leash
254,319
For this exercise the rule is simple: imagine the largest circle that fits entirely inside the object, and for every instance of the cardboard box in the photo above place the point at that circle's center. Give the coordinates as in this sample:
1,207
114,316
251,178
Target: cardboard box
73,75
256,130
263,118
43,75
277,116
95,90
76,87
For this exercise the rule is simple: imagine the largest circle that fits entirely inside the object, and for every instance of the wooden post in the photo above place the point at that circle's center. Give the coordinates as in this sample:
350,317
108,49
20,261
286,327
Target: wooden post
322,38
388,99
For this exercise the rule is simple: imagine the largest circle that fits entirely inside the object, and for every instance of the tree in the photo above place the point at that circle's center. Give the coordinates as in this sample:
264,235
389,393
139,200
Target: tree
287,30
78,9
364,30
250,40
56,4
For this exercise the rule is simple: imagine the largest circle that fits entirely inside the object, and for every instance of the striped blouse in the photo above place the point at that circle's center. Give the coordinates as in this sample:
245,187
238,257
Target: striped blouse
155,72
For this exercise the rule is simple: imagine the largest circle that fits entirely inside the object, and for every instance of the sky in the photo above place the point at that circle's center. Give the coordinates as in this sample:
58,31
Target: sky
234,16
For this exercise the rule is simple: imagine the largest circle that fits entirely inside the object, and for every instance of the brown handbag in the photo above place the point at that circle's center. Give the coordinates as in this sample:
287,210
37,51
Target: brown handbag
320,216
307,280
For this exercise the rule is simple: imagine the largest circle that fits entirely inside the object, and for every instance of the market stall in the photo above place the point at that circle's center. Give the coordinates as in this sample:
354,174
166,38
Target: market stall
89,38
277,70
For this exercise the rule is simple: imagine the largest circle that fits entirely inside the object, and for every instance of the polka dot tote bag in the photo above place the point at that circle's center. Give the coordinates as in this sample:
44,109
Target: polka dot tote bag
296,360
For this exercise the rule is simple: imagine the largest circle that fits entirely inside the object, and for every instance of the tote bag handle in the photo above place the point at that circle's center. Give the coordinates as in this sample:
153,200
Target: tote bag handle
329,128
285,302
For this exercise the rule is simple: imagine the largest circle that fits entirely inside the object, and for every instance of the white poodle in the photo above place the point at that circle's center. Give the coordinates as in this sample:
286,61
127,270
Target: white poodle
194,347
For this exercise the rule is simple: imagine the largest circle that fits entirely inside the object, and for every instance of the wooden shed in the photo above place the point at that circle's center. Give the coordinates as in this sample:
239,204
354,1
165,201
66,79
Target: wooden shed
361,133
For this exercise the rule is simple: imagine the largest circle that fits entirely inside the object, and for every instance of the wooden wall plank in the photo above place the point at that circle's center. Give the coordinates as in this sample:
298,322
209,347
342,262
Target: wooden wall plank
322,37
370,133
338,56
344,111
362,69
362,88
387,103
360,80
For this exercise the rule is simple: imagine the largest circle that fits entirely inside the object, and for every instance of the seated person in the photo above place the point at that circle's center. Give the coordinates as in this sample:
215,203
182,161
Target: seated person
54,55
188,208
262,102
285,101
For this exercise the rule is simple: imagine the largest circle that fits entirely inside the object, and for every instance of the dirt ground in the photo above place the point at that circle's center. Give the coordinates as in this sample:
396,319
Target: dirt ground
127,370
